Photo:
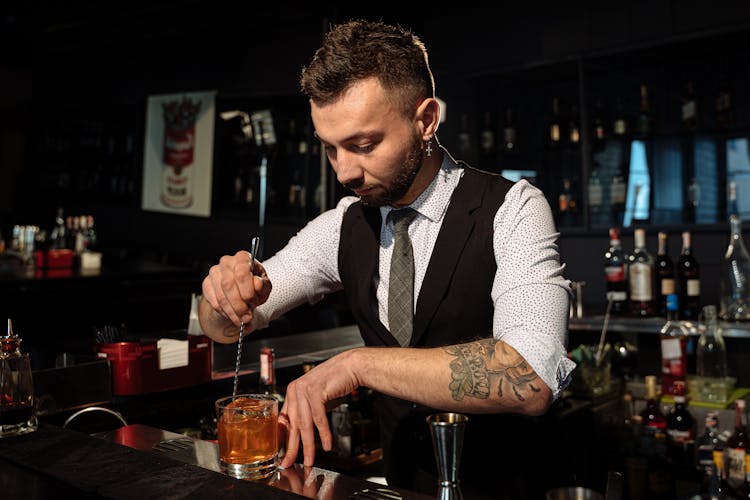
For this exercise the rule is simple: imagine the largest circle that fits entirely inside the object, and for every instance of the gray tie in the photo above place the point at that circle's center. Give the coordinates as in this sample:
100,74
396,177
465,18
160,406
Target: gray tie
401,284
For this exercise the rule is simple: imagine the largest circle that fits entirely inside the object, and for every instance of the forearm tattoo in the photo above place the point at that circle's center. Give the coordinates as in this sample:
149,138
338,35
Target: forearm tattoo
480,366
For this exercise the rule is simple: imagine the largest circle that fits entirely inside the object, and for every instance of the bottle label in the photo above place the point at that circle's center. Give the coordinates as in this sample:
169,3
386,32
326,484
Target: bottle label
674,357
693,287
487,141
719,461
667,286
266,376
617,191
564,202
620,127
617,296
678,436
671,349
595,194
554,133
705,456
688,110
735,466
640,282
615,274
672,302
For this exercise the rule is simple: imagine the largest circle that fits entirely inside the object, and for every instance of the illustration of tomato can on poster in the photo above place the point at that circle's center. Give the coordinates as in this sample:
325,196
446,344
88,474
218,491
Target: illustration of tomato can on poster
178,153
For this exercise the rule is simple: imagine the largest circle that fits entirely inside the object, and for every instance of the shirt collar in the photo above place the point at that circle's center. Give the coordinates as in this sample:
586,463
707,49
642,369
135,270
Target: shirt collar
433,202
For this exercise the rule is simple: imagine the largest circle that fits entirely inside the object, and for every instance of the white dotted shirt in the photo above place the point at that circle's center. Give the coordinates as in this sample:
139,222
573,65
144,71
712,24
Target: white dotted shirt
530,292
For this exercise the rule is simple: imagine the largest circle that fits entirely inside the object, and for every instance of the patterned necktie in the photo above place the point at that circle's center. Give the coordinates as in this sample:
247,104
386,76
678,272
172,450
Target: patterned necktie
401,284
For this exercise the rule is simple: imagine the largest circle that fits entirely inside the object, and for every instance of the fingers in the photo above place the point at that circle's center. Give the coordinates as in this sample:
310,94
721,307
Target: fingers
232,290
290,433
306,414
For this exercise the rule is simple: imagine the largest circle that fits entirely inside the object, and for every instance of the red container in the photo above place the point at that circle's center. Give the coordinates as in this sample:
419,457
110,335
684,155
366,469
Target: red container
54,259
135,366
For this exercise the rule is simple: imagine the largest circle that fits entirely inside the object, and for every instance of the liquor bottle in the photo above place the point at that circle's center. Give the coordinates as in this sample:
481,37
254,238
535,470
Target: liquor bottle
568,203
341,428
731,199
705,446
574,127
555,126
510,132
91,236
617,192
615,274
711,359
487,143
689,108
644,122
735,455
693,199
58,235
595,196
688,277
723,111
267,378
600,130
653,420
641,277
297,149
629,436
734,281
665,286
81,236
681,435
71,228
659,482
673,341
620,124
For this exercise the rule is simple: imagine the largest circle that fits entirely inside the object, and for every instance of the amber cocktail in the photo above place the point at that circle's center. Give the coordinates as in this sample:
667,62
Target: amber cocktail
248,435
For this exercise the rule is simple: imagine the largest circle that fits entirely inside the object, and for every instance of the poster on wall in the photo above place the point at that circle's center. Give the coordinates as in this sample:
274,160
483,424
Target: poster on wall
178,153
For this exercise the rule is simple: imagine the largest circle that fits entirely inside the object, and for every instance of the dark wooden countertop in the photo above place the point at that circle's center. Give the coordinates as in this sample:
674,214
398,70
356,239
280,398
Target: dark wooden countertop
124,464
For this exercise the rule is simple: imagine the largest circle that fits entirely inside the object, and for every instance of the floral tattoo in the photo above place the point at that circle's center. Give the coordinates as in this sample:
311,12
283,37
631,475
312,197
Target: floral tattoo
480,366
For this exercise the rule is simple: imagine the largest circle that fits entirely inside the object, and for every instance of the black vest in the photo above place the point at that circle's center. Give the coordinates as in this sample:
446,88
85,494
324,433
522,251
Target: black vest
454,306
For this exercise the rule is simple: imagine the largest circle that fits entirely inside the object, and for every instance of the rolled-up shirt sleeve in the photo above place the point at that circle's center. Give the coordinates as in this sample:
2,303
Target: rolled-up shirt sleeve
530,293
306,269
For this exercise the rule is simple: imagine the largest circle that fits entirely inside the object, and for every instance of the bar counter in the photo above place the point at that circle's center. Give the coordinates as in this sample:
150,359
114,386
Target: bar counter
138,461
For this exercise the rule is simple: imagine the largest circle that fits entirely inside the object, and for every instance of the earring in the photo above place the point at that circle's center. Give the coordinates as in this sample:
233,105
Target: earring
428,148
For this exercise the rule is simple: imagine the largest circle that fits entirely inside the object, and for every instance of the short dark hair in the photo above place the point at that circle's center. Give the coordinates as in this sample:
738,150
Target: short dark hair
362,49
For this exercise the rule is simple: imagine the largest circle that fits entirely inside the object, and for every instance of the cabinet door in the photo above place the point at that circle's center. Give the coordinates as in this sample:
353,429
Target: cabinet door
678,126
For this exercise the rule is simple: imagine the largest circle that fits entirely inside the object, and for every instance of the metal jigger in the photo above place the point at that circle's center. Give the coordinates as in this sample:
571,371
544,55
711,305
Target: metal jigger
447,430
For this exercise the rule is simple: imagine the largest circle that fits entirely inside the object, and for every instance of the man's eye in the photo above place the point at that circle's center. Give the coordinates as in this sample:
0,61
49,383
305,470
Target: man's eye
366,148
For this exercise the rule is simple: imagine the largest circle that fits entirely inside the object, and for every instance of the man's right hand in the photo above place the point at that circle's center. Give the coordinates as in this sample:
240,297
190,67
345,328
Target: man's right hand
230,295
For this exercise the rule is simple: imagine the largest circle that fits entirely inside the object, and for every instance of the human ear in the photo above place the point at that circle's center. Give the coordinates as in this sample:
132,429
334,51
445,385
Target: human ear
428,118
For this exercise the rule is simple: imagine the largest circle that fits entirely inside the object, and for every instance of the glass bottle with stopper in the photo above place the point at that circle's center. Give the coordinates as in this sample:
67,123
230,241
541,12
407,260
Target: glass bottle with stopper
711,360
17,415
734,281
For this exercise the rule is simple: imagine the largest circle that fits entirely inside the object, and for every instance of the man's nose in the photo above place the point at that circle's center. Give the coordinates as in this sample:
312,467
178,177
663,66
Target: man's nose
348,171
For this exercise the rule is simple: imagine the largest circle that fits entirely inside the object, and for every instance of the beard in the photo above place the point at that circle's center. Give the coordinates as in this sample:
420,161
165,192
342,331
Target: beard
403,179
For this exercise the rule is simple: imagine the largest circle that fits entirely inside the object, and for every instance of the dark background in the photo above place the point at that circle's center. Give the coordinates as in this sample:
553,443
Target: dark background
80,63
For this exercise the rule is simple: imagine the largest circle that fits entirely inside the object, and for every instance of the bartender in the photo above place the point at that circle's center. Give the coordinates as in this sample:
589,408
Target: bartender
453,276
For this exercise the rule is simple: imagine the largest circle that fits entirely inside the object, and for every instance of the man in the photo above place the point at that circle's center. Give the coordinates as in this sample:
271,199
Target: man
489,301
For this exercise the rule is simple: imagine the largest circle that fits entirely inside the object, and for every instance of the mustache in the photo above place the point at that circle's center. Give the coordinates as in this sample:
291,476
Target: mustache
355,184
